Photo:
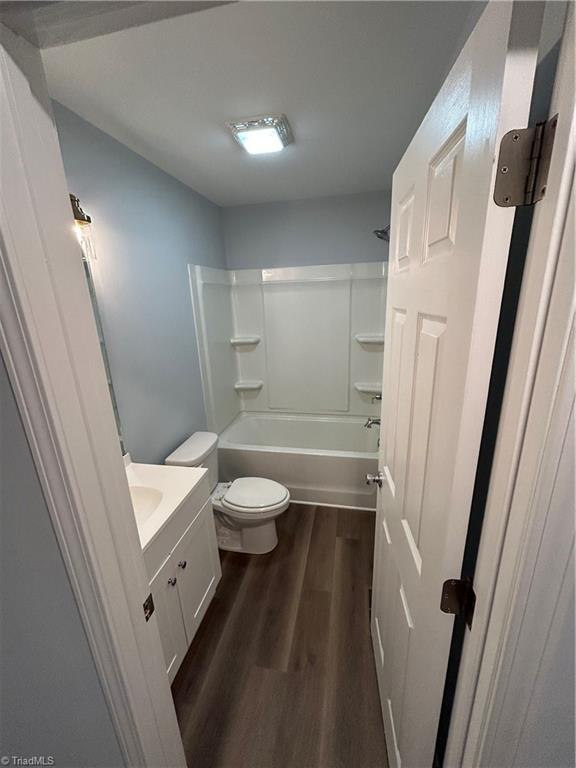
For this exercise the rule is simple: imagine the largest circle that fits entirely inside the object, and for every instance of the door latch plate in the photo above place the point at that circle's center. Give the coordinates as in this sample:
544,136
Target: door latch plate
458,598
523,164
148,606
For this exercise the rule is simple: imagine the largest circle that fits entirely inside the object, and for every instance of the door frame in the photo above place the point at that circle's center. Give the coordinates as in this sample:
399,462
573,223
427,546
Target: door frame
507,525
50,345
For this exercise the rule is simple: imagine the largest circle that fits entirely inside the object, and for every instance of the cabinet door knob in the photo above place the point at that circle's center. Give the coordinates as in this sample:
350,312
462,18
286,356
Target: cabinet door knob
182,564
172,581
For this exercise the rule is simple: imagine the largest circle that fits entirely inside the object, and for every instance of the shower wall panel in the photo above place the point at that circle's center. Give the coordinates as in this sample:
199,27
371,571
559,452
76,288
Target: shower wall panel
293,340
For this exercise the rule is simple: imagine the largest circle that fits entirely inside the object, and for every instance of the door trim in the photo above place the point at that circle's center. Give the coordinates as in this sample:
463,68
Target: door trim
502,551
540,109
50,346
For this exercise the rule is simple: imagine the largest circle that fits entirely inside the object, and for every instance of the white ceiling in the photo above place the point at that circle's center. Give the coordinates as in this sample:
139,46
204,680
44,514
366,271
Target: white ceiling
354,78
45,23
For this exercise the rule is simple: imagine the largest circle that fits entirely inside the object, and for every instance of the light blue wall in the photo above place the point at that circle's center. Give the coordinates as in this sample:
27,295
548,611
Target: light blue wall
51,701
147,227
328,230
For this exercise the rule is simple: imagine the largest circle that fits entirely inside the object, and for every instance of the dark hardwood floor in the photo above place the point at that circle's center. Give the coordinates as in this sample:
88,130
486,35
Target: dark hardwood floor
281,673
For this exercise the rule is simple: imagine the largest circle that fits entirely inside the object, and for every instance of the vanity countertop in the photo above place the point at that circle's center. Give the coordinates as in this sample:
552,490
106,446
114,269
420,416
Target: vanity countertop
157,492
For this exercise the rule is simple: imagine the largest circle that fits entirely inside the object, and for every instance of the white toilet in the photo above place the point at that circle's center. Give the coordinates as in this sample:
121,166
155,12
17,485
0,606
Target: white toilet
245,509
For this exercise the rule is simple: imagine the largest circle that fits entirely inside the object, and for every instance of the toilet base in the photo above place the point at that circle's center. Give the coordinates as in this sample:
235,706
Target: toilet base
255,540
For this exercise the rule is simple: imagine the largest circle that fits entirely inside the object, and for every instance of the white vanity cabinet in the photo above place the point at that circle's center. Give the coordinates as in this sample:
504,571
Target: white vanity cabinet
164,591
197,569
184,586
180,551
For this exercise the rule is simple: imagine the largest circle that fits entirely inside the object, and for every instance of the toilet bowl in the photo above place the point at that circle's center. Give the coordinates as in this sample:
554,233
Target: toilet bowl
245,509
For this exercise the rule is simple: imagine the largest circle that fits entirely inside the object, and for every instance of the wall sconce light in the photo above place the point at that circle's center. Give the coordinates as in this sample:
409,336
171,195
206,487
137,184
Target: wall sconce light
79,216
82,230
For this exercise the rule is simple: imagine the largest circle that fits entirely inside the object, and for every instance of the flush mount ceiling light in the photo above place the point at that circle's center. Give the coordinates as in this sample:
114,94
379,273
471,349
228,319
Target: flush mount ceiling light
262,135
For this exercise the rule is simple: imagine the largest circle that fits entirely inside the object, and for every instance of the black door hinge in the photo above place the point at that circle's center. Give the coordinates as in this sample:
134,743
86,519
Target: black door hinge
148,606
523,164
458,597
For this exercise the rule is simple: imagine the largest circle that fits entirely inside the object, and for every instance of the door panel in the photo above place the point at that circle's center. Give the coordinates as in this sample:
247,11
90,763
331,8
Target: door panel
426,369
444,189
397,321
449,251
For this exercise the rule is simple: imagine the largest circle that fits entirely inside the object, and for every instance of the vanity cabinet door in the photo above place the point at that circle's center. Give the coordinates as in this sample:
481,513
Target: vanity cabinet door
164,588
197,566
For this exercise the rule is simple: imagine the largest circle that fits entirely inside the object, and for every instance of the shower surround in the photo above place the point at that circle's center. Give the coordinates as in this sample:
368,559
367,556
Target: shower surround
291,359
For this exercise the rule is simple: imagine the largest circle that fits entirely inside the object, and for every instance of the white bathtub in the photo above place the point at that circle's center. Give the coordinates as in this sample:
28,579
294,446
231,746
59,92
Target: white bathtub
320,459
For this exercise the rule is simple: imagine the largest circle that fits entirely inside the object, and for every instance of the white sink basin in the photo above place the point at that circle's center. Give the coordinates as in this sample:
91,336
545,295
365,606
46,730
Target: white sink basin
145,501
157,491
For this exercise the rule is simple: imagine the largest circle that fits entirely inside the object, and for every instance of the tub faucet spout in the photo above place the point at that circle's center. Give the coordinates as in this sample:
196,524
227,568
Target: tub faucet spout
370,423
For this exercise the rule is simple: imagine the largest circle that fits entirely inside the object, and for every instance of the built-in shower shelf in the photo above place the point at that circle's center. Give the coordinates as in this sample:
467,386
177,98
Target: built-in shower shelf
245,341
367,388
248,386
370,338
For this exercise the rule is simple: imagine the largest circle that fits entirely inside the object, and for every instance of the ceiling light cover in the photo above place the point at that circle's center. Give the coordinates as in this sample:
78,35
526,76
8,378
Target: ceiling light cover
262,135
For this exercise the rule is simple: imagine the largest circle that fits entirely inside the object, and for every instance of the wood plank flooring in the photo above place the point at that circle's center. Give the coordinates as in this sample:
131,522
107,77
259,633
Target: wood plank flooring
281,673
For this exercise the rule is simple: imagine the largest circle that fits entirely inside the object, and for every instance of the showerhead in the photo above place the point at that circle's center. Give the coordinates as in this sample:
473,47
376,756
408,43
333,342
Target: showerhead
383,234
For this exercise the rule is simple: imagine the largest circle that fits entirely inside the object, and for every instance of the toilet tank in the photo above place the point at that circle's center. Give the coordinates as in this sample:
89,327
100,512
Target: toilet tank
199,450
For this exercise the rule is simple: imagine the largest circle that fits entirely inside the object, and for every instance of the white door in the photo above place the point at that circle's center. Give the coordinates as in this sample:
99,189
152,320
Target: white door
448,259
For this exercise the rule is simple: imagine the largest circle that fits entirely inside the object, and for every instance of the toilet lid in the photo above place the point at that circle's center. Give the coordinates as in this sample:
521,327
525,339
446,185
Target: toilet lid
255,493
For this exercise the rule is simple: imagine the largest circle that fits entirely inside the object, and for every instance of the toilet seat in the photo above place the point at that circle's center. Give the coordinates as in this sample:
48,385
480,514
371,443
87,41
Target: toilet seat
254,497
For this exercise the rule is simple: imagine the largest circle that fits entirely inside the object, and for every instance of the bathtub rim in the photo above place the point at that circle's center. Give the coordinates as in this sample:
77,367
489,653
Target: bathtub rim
223,443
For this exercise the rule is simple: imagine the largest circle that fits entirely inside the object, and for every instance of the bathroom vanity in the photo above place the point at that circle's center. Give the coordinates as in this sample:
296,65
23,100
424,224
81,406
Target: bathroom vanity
176,527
